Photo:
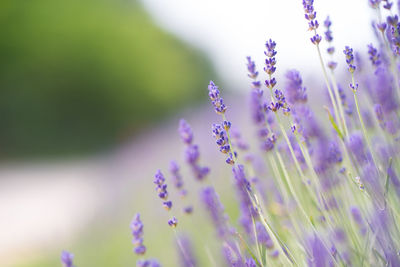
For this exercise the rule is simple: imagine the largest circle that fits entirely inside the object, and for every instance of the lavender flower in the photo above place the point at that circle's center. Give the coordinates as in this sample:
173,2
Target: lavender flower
313,25
328,33
221,132
185,132
329,38
216,210
137,232
173,222
374,56
251,67
216,99
348,52
388,5
222,140
67,259
167,205
270,62
176,176
192,154
294,90
257,106
374,3
161,188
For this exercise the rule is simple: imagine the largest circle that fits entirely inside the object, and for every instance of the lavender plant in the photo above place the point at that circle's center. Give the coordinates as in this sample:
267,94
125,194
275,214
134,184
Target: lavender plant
331,191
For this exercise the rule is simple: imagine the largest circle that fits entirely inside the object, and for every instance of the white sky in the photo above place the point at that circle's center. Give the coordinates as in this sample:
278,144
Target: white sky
229,30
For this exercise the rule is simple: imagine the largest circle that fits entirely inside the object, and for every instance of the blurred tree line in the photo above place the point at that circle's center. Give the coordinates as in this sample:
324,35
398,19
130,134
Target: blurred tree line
80,75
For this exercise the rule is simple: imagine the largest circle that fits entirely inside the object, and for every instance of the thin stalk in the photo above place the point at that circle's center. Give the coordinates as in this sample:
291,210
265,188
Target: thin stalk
340,103
293,191
335,109
363,125
296,162
258,248
274,236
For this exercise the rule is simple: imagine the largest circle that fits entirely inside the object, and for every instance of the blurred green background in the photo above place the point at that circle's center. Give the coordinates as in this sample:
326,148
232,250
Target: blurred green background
81,76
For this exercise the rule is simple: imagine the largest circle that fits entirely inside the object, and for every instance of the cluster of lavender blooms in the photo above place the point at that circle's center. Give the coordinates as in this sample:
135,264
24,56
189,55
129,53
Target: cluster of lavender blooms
330,192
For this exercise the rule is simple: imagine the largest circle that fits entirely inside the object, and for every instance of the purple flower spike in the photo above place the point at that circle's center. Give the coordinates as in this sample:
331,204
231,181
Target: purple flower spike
67,259
294,90
137,233
348,52
192,153
185,132
216,210
159,178
251,67
270,45
374,56
216,100
177,178
161,188
220,134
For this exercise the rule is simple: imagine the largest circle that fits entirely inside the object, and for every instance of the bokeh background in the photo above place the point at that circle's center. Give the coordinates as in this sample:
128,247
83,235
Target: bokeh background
91,93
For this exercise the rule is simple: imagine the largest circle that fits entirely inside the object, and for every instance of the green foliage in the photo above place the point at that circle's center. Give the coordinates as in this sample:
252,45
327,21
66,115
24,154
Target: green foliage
81,75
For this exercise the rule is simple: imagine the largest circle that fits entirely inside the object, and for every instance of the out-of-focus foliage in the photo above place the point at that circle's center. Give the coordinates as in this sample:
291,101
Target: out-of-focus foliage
79,75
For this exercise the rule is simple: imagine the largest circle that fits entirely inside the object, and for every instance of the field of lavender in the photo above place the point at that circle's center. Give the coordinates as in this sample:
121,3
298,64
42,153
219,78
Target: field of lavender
307,189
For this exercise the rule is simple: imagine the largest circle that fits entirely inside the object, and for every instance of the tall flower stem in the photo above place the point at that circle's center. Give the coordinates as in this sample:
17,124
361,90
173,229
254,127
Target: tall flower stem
340,103
363,124
289,144
335,109
296,162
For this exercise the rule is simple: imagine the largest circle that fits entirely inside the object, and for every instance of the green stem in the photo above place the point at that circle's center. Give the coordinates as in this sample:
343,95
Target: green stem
335,109
340,104
363,125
